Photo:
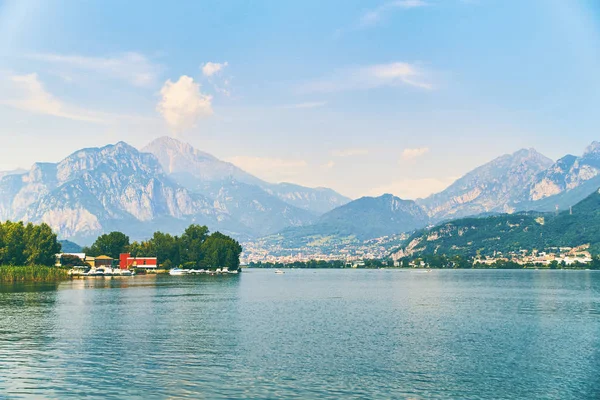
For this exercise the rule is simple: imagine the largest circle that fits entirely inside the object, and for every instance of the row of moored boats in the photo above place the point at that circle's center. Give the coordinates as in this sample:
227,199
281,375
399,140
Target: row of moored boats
181,271
100,272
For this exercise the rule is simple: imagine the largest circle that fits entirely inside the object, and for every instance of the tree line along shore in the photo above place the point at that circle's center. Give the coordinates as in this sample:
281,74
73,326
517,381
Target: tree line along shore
28,251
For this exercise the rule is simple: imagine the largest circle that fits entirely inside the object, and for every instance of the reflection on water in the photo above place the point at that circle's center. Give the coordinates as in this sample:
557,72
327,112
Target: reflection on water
305,334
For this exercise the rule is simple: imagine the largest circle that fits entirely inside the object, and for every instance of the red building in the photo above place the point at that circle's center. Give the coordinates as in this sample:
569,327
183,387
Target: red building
126,261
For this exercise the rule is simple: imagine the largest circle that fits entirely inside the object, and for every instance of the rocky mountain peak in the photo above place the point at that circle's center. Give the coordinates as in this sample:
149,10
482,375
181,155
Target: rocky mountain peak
592,149
531,154
492,187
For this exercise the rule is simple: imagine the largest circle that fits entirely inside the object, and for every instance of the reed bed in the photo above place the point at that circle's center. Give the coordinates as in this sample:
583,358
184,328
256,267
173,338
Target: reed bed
9,273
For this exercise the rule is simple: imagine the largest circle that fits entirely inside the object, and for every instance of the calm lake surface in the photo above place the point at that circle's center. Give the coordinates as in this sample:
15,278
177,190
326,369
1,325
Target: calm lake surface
306,334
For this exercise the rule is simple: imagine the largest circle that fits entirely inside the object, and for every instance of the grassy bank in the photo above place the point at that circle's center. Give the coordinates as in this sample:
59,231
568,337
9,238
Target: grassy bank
31,274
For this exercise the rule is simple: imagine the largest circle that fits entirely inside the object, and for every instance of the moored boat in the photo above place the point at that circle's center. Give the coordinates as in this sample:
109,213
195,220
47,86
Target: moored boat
178,271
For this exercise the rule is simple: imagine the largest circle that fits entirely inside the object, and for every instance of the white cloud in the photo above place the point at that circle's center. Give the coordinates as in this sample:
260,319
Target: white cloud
370,77
275,169
372,17
310,104
329,164
134,68
182,103
414,188
349,152
211,68
27,93
212,71
411,154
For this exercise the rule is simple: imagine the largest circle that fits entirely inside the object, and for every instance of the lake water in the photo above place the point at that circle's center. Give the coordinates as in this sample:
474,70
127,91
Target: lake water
324,334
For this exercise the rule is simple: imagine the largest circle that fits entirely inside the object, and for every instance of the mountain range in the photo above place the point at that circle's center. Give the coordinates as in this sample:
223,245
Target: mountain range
118,187
169,184
522,181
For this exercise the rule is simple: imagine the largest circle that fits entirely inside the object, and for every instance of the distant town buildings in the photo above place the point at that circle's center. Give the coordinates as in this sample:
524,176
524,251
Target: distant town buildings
342,250
560,255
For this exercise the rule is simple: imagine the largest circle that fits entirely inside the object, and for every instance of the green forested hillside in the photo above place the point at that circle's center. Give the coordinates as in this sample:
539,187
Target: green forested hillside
505,233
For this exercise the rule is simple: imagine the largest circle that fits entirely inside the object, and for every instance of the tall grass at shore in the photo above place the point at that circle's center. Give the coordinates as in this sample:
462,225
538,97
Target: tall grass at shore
9,273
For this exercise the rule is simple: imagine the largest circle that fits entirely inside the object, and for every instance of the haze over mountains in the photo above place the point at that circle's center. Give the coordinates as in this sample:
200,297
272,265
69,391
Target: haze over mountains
524,180
169,185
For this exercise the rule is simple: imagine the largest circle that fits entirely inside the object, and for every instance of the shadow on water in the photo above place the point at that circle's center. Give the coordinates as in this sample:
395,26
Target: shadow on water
28,287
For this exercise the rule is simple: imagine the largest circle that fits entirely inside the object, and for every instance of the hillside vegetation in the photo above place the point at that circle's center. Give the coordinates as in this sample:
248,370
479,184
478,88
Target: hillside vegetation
504,233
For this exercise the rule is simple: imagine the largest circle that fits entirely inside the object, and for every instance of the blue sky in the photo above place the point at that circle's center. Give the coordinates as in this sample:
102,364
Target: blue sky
366,97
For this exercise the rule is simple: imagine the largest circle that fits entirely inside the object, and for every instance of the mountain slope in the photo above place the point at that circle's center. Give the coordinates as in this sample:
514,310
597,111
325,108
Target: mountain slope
568,181
203,173
505,233
362,219
494,187
255,208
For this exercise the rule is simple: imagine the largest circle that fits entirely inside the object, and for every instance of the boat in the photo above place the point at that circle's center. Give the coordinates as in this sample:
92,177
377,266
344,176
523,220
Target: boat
96,272
279,272
178,271
78,271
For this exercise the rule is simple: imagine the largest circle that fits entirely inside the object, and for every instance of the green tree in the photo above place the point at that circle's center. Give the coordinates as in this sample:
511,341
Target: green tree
41,245
14,244
221,251
191,245
163,246
69,260
111,244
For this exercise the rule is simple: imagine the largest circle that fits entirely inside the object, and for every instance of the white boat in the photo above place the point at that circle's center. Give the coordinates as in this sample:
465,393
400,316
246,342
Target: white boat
96,272
279,272
178,271
232,272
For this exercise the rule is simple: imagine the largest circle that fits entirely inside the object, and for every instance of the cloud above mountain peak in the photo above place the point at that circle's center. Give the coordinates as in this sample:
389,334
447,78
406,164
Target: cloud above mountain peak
182,103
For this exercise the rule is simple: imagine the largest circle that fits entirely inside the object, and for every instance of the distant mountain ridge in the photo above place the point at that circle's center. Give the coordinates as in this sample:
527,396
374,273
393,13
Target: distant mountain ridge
497,186
169,184
117,187
523,181
362,219
201,172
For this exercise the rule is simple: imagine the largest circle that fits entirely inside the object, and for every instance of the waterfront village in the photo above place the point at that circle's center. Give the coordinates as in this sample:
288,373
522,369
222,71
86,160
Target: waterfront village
352,252
552,257
354,255
127,265
560,255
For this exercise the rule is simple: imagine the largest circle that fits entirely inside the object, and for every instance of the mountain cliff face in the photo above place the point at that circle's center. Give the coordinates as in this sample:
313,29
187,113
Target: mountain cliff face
95,188
497,186
203,173
567,181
